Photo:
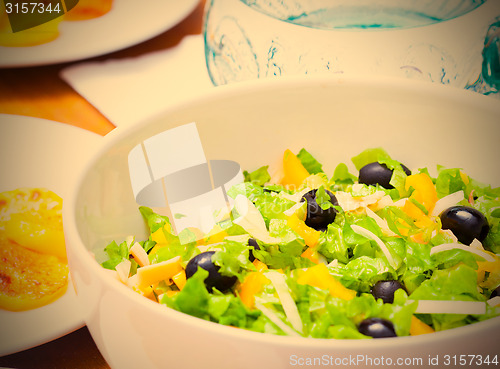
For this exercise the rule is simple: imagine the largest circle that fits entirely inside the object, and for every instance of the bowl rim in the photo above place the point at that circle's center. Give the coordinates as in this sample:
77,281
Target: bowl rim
453,20
76,246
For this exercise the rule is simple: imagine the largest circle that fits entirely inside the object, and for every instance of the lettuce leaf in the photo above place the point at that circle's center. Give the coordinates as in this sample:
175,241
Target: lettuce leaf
341,175
455,283
194,297
154,221
369,156
309,162
331,244
258,177
116,254
449,181
232,258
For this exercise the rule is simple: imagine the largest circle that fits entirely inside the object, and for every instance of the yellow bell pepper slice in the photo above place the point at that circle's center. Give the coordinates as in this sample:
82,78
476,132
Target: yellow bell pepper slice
154,273
158,236
492,278
310,235
259,265
319,276
418,327
425,194
294,171
180,279
311,254
252,285
216,235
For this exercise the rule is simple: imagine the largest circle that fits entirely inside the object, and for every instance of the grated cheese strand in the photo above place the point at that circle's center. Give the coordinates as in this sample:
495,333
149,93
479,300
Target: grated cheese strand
251,220
447,201
451,246
291,311
366,233
276,320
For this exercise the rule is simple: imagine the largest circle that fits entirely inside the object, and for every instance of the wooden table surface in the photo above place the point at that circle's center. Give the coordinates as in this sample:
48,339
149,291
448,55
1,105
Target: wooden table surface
40,92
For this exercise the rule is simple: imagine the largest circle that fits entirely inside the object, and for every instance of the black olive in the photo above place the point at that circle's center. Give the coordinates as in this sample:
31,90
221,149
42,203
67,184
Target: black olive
495,293
318,218
252,242
385,290
374,173
214,279
377,328
466,223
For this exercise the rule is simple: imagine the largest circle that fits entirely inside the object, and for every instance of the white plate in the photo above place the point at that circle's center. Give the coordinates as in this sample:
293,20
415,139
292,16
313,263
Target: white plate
40,153
129,22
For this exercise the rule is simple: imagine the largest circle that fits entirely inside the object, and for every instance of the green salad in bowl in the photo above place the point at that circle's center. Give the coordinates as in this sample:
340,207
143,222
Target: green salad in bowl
383,252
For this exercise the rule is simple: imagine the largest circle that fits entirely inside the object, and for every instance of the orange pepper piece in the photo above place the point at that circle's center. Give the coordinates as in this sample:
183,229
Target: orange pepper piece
319,276
180,279
294,171
418,327
310,235
252,285
425,194
259,265
310,253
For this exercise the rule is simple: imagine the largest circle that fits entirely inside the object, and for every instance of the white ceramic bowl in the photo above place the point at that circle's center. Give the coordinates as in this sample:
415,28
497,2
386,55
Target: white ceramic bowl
253,123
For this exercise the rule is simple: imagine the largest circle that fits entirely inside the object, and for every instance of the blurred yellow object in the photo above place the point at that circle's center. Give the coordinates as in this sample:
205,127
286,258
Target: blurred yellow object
88,9
319,276
253,284
424,194
38,35
310,235
32,218
48,31
294,171
488,272
29,279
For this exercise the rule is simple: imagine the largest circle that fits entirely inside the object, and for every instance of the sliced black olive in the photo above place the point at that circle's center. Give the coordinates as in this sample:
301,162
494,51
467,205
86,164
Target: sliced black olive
466,223
495,293
252,242
214,279
377,328
318,218
385,290
374,173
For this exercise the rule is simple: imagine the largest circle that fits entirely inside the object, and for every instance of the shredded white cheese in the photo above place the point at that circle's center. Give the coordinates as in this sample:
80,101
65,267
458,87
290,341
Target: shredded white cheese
139,254
129,240
448,233
447,201
243,238
251,220
295,197
350,203
366,233
495,301
276,320
334,263
294,208
451,246
123,270
382,223
289,306
476,244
